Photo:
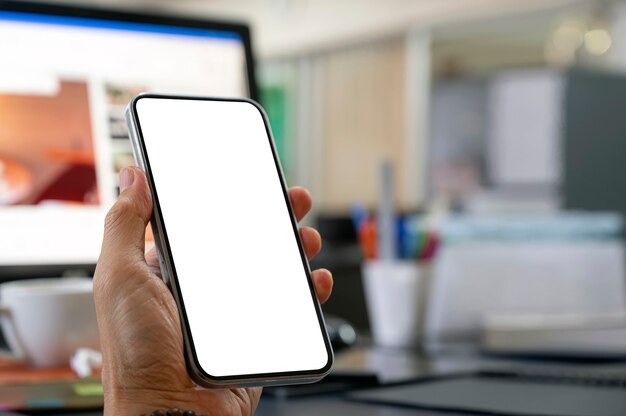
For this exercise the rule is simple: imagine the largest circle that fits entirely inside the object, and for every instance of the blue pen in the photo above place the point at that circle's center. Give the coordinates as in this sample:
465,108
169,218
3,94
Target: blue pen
358,213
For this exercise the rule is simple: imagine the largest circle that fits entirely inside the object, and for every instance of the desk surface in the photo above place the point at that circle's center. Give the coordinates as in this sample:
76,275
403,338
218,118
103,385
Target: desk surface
330,406
333,406
391,366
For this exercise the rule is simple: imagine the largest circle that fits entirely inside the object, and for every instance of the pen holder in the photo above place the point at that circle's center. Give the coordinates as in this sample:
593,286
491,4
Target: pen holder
396,295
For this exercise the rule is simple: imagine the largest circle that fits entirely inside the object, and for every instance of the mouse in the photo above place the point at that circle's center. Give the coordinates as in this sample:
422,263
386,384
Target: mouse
341,333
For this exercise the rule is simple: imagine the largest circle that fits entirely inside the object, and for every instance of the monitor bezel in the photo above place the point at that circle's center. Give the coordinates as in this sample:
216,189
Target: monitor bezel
16,272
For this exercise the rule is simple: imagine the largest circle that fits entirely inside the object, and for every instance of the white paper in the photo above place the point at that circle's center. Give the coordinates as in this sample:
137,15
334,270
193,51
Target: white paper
524,128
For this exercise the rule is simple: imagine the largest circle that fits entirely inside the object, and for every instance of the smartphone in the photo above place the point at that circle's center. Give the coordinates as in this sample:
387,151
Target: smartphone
228,242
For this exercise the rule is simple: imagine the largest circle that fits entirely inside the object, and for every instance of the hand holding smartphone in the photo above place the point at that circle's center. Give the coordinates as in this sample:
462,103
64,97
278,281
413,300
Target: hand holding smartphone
238,274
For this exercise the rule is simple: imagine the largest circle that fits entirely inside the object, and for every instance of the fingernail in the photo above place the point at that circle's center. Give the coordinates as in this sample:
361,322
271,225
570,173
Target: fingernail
126,178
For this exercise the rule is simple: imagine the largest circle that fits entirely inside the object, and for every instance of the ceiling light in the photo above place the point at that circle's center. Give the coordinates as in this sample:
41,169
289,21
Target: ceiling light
598,41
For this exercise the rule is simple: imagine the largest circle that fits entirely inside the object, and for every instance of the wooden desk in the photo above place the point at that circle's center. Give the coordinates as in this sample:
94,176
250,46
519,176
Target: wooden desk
12,371
20,384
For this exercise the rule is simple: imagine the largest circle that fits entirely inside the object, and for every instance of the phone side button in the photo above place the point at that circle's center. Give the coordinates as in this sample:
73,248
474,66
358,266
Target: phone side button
165,277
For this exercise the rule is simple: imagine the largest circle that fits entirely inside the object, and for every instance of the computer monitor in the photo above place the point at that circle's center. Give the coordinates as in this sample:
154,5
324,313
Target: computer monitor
65,78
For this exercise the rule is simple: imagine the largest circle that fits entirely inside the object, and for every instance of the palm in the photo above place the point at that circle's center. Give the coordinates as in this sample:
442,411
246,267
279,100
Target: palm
141,334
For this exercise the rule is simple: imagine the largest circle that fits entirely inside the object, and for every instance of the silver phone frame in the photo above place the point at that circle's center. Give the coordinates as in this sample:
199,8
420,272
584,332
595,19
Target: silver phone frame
197,374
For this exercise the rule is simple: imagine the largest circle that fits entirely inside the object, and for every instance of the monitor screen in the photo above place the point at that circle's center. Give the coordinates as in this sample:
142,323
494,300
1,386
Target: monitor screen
65,79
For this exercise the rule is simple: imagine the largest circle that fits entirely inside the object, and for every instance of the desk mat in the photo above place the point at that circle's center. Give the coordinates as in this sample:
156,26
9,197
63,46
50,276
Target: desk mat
488,395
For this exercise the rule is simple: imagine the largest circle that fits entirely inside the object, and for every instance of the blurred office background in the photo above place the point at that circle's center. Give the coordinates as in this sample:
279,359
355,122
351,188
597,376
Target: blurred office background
503,122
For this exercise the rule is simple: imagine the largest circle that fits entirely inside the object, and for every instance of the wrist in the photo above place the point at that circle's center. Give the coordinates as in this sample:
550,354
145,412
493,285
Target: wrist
144,402
174,412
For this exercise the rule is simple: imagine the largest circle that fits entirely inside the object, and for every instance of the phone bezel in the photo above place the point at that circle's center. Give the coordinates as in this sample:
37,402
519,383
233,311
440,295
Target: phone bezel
168,269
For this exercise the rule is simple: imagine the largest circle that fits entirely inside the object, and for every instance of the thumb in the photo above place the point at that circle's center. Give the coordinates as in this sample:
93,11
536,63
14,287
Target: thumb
125,224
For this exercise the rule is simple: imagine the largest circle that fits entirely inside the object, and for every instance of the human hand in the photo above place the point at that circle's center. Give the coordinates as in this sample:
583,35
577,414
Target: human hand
140,332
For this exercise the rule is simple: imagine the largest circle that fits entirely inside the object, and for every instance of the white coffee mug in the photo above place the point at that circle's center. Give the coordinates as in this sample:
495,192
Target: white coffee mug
45,321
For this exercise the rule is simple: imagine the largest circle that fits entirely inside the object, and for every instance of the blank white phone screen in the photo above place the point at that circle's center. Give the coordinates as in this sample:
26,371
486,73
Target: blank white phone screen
240,272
